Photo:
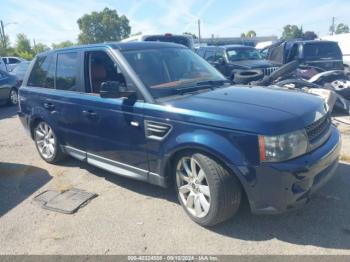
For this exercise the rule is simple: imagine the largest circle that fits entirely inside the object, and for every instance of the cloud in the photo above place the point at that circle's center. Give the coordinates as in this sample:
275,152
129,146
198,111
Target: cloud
54,21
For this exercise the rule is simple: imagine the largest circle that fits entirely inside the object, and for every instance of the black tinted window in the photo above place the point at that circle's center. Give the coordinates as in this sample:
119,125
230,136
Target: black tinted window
322,50
67,72
210,55
42,74
13,61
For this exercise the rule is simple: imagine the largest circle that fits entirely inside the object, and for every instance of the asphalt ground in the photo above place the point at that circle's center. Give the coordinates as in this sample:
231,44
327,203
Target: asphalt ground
131,217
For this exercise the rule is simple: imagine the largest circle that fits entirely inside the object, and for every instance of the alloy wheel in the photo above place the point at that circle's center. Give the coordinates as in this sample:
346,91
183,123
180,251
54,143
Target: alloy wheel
14,97
193,187
45,140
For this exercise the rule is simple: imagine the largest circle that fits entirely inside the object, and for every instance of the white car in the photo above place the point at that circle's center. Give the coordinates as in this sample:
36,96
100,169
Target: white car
2,65
186,40
11,62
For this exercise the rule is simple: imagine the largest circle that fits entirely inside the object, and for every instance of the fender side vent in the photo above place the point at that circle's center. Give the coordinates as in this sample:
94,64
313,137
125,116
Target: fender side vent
156,130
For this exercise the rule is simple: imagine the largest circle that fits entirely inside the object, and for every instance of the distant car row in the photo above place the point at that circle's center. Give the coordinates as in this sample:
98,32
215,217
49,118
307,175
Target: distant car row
9,63
10,82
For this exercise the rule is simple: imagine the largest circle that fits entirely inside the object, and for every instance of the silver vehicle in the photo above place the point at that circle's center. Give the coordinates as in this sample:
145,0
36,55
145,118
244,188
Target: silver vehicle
186,40
8,89
2,65
11,62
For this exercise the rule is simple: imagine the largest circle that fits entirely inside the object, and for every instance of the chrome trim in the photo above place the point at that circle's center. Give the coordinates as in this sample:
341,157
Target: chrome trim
76,153
115,163
157,127
117,167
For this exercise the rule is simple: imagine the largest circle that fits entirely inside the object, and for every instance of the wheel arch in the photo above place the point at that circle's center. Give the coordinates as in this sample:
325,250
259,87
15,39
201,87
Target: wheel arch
168,163
33,123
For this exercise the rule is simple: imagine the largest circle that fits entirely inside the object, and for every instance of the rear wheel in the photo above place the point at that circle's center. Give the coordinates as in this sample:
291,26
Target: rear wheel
47,144
206,190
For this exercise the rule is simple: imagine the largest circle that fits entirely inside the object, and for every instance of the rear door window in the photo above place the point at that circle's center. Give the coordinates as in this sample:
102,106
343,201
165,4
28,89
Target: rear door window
67,73
42,74
210,55
13,60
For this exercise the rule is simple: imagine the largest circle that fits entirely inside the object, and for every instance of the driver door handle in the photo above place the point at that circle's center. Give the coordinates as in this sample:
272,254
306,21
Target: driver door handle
89,113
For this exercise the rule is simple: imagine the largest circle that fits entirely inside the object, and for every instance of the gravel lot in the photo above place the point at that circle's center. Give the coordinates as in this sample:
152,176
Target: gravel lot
130,217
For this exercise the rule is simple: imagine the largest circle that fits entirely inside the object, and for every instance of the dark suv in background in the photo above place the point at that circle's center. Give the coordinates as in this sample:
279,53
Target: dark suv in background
322,55
230,59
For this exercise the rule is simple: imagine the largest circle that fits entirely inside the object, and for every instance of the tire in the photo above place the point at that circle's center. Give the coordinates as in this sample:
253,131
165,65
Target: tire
247,76
283,70
47,144
211,194
13,97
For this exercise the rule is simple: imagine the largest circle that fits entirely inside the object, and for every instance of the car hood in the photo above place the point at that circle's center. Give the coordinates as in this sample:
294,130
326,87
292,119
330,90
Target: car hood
251,64
267,111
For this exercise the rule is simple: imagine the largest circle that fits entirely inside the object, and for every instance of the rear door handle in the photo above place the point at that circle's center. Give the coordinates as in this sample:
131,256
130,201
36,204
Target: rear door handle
49,106
89,113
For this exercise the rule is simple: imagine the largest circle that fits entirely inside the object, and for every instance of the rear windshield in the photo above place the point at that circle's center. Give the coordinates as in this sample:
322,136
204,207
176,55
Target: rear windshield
182,40
237,54
322,51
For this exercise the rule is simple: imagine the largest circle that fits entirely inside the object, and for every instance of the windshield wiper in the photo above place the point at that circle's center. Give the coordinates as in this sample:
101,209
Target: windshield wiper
208,84
213,83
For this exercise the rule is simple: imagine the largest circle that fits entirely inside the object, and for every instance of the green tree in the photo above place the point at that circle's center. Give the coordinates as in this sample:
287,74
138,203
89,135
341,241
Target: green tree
243,35
40,47
62,44
189,33
102,26
342,28
292,31
251,33
310,35
23,47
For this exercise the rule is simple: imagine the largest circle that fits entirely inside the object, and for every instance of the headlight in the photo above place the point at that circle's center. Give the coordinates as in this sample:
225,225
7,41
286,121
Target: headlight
283,147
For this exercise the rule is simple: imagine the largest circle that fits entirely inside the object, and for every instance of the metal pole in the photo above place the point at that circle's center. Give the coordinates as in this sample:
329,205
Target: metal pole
2,34
199,31
333,25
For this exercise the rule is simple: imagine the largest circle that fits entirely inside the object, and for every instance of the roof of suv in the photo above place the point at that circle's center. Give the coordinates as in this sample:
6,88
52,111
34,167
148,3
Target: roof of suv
226,46
125,46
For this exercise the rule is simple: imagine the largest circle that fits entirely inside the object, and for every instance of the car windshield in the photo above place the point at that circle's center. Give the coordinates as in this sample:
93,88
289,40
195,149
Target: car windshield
322,50
237,54
172,71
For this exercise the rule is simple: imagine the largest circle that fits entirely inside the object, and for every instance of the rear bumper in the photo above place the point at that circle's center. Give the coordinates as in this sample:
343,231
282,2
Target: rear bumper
279,187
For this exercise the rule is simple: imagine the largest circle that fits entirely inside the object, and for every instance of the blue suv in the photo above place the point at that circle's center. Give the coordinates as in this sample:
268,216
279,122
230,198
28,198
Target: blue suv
158,112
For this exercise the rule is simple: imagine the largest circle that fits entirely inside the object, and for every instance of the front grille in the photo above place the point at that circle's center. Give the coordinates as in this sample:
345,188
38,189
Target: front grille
267,71
318,128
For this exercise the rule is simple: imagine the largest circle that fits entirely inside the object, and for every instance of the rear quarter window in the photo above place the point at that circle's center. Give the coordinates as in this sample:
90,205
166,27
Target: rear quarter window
42,74
67,73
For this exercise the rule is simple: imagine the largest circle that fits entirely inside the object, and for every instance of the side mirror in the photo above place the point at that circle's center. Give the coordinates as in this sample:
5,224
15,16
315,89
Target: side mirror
114,89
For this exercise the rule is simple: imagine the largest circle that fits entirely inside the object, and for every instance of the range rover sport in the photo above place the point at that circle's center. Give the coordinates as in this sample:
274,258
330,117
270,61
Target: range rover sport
159,113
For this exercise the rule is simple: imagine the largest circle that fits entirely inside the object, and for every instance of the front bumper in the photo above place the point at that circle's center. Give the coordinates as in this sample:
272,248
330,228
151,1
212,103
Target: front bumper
279,187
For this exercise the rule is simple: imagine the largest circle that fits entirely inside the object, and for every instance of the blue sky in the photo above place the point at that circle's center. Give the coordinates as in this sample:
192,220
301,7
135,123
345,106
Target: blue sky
55,21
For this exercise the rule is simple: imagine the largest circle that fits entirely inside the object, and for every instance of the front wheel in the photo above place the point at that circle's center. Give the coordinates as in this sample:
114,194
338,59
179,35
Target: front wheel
13,97
206,190
47,144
